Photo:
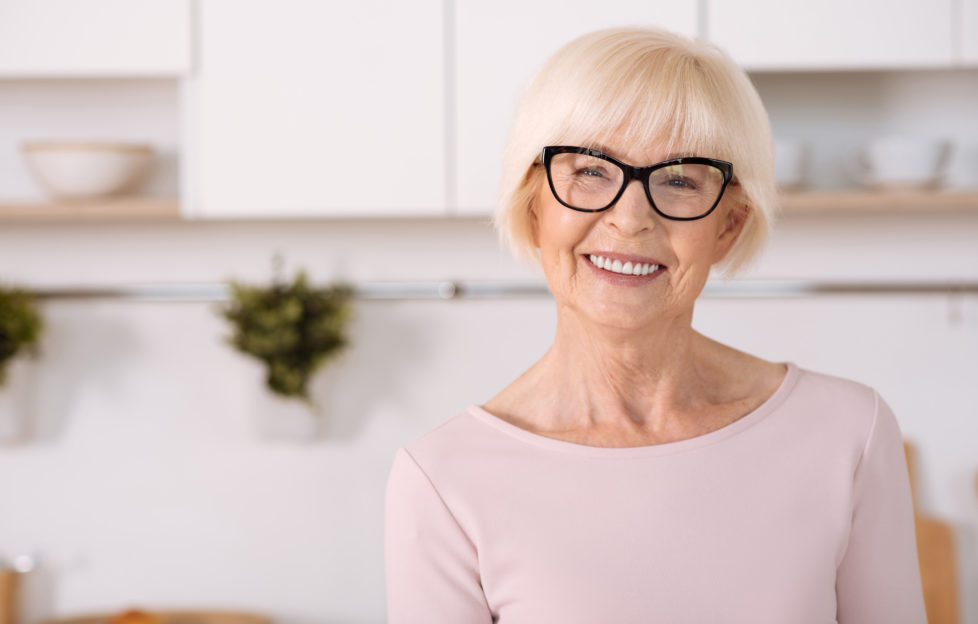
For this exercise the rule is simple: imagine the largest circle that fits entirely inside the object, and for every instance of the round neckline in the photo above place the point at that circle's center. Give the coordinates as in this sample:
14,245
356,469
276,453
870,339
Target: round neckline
666,448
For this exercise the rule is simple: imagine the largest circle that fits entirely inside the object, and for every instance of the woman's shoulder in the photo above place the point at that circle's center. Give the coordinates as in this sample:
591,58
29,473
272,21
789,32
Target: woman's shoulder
810,401
455,438
793,387
806,386
837,404
837,390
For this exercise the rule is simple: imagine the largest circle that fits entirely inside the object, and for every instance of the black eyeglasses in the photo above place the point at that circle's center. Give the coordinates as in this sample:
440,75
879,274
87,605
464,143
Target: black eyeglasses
683,189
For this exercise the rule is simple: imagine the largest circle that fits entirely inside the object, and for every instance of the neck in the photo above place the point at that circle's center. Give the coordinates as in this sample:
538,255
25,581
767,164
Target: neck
607,376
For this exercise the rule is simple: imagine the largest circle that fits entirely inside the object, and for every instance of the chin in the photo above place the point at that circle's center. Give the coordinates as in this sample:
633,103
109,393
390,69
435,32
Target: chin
621,315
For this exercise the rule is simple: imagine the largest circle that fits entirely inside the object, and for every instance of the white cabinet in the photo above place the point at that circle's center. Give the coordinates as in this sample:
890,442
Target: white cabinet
498,46
969,32
835,34
310,108
94,38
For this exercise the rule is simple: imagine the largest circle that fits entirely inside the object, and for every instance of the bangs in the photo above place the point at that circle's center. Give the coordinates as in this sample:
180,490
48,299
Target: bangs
660,100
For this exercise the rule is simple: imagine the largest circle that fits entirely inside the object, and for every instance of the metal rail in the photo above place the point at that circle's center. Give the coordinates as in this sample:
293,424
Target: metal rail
209,291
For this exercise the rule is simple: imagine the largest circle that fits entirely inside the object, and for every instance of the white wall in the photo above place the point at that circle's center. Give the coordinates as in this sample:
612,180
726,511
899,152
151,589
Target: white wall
148,484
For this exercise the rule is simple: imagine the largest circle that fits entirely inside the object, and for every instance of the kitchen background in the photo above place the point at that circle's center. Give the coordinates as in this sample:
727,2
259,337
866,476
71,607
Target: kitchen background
361,141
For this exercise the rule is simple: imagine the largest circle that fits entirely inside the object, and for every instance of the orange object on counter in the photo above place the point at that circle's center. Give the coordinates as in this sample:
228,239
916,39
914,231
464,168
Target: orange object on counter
8,595
135,616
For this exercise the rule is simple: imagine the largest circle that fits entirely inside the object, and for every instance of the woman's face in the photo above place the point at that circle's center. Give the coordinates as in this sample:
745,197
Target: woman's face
631,231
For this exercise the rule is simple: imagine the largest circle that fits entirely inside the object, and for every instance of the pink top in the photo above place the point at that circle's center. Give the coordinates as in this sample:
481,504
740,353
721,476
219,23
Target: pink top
798,512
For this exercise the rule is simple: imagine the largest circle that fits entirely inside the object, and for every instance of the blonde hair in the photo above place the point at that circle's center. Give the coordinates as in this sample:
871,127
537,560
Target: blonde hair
643,85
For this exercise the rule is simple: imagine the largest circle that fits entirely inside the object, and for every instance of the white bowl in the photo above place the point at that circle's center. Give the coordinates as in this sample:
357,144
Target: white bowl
903,162
74,170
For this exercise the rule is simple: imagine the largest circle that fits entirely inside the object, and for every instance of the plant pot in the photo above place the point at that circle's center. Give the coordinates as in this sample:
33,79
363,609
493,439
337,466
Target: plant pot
288,419
15,402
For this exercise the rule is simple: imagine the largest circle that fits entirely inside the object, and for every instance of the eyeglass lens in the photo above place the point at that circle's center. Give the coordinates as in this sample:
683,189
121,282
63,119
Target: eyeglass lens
683,190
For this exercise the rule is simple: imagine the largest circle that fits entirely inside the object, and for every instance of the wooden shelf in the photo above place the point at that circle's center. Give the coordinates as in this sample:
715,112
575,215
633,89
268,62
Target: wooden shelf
116,209
807,202
847,201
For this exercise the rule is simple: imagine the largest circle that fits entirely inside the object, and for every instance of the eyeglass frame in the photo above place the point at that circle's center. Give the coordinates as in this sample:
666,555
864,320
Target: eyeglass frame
642,174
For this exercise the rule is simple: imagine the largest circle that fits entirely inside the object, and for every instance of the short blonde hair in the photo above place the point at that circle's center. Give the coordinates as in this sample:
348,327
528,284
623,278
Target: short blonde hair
645,85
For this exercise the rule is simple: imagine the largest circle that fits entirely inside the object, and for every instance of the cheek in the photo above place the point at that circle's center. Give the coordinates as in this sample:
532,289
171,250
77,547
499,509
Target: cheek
559,229
694,251
564,231
698,245
694,247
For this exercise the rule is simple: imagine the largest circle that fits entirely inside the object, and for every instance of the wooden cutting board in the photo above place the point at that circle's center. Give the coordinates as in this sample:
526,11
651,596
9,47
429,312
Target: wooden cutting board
8,596
935,550
178,617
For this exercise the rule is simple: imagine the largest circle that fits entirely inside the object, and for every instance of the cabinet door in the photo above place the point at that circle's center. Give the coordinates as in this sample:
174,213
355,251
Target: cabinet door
969,33
499,45
94,38
833,34
310,108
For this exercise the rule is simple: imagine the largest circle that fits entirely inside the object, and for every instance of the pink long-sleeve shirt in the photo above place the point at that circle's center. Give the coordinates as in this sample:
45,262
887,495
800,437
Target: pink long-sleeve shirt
799,512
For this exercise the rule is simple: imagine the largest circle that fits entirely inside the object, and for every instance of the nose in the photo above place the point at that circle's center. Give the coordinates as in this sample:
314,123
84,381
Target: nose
632,213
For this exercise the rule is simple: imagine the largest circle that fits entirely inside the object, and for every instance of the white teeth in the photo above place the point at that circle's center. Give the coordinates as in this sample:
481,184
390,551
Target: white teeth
629,268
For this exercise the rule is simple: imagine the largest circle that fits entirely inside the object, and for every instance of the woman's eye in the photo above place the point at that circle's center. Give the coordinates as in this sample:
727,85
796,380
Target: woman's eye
591,172
681,183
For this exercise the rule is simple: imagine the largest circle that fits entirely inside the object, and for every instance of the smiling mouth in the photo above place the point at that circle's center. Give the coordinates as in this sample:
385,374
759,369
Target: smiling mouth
622,268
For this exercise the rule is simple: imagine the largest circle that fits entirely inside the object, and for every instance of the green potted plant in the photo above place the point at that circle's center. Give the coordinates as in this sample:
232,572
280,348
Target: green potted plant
21,326
293,328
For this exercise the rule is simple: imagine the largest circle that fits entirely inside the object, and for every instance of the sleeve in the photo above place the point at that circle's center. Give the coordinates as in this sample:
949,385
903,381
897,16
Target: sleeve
878,580
431,566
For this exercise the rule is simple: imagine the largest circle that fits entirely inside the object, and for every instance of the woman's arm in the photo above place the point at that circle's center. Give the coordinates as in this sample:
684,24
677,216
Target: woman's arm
431,565
878,580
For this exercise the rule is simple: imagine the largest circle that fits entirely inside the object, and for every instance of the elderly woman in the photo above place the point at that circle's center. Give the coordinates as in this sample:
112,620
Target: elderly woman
639,471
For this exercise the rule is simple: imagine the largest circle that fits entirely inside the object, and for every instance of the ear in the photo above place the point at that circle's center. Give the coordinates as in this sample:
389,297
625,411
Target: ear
733,224
534,224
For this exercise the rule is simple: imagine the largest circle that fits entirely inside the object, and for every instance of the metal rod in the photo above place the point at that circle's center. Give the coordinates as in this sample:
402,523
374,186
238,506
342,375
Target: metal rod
751,289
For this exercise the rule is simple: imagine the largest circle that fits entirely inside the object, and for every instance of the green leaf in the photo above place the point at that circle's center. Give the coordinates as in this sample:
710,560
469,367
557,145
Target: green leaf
294,328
